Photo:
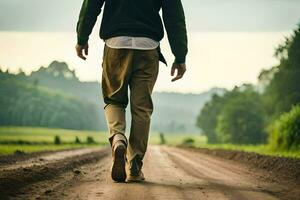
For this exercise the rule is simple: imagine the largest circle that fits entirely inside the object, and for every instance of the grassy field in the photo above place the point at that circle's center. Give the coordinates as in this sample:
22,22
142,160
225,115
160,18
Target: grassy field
176,139
12,148
42,139
28,139
199,141
260,149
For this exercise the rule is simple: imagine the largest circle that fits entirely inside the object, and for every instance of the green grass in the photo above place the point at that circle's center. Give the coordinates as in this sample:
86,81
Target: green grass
11,148
200,142
45,135
67,137
260,149
176,139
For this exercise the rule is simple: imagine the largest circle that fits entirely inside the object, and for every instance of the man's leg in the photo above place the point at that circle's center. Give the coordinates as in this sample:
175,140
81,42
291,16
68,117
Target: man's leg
116,122
144,74
115,79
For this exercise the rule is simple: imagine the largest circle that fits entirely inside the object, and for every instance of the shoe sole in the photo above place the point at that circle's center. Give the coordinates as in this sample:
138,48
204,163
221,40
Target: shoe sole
131,179
118,172
137,180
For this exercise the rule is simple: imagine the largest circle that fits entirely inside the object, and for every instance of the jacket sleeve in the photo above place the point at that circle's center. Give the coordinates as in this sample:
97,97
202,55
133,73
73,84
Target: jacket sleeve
87,18
174,20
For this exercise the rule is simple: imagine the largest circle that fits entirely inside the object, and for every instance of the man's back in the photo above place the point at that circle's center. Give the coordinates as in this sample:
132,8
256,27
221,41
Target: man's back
132,18
136,18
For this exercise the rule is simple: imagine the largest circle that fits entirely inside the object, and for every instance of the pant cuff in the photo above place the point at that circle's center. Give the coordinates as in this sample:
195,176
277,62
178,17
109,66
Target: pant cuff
118,137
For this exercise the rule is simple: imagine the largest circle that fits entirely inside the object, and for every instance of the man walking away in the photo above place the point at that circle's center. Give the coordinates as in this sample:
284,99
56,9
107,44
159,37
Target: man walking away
132,30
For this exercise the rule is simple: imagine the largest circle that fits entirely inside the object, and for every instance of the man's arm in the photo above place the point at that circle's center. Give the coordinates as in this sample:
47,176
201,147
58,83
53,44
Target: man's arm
88,16
174,20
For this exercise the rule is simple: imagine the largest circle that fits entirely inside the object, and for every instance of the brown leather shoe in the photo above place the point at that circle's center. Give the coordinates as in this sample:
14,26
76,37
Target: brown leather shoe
118,172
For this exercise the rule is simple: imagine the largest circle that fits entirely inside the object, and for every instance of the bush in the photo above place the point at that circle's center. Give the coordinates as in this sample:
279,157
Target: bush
19,152
77,140
90,140
188,141
57,140
162,138
284,133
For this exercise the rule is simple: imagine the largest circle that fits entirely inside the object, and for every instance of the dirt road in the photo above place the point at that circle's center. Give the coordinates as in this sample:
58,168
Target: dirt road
171,173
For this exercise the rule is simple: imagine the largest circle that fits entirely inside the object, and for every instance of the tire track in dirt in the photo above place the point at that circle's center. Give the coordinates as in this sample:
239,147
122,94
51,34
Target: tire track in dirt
14,178
48,158
233,181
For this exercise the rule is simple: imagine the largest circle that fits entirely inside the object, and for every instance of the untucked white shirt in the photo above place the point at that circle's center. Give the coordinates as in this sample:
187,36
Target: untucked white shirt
127,42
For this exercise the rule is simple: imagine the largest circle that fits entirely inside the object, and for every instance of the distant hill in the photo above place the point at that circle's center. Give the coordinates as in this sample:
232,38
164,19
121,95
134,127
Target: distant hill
58,76
177,112
25,104
173,112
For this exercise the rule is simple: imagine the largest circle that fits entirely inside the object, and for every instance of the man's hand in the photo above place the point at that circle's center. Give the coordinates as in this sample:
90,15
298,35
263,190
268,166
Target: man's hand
181,68
82,48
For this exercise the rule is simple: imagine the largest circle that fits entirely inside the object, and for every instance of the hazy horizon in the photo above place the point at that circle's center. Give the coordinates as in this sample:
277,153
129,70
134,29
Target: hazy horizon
230,42
214,60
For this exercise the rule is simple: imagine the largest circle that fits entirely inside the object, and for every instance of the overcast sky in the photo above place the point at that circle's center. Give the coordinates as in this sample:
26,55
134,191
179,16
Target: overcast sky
230,41
204,15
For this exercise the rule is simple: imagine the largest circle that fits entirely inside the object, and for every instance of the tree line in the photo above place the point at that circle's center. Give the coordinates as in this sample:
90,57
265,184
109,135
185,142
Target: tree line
265,113
24,103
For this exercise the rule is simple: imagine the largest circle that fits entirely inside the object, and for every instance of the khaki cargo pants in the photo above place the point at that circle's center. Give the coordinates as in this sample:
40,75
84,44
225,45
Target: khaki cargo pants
136,70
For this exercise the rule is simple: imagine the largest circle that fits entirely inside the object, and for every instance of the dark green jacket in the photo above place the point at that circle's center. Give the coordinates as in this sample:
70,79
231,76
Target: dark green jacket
136,18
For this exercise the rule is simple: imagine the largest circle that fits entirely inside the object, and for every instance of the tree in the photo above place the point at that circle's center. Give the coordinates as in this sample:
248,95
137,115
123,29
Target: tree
283,90
25,104
235,117
241,119
207,118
